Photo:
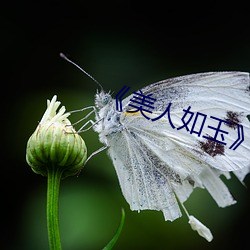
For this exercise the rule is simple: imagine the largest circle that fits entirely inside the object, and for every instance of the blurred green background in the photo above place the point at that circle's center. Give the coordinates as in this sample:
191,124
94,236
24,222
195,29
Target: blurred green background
119,43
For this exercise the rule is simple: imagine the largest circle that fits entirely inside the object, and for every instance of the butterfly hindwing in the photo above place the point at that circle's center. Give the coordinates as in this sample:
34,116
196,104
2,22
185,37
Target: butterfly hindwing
141,181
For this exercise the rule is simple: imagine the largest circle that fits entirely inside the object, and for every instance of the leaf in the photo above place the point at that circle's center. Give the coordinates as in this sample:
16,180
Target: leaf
117,234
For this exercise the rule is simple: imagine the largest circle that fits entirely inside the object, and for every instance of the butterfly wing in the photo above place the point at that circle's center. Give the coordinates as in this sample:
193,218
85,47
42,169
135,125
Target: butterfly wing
201,91
141,183
155,163
152,169
216,96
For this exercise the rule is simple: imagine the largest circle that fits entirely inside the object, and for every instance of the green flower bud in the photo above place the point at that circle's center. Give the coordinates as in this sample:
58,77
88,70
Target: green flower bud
55,144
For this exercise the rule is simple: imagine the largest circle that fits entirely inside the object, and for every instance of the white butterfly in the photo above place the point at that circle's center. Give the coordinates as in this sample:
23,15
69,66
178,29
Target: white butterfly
156,164
159,166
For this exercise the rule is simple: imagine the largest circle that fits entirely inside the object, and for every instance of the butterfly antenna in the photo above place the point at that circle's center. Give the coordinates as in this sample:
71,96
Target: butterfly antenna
68,60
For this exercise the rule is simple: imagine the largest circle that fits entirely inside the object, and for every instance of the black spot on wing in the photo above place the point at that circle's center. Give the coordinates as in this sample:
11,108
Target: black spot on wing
190,181
212,148
248,89
234,118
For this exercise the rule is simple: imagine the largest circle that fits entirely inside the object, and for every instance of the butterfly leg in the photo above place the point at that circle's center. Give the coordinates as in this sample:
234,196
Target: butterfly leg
80,110
81,129
94,153
86,116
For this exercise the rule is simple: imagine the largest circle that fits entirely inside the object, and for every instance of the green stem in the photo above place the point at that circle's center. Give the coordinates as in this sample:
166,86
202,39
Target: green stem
54,177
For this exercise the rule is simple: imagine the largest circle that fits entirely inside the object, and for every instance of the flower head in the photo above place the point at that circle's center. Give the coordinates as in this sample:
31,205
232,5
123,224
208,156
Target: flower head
55,143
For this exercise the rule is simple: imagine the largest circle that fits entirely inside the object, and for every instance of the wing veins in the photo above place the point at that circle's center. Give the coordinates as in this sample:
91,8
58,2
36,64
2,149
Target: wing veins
144,184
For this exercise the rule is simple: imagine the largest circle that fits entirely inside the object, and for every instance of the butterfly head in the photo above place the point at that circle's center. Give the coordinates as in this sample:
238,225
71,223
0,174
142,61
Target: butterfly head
102,99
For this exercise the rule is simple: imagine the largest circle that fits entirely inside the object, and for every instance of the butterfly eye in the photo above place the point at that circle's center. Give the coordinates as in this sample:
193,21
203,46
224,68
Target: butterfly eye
106,99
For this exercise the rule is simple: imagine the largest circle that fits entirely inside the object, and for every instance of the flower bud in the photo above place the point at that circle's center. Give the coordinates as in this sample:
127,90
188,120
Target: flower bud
55,144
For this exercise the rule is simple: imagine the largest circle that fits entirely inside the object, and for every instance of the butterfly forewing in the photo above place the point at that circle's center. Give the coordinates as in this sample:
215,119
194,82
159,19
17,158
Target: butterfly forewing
215,96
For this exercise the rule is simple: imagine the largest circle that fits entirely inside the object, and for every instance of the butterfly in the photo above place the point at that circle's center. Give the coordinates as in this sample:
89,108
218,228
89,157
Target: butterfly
159,165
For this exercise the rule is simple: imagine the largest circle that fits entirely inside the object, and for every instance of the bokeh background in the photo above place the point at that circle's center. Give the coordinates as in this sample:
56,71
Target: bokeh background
119,43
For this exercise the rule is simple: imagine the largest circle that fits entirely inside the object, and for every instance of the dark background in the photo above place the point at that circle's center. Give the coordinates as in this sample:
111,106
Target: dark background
119,43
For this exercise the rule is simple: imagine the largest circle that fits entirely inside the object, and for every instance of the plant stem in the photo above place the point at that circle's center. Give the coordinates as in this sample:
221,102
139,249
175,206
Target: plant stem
54,177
